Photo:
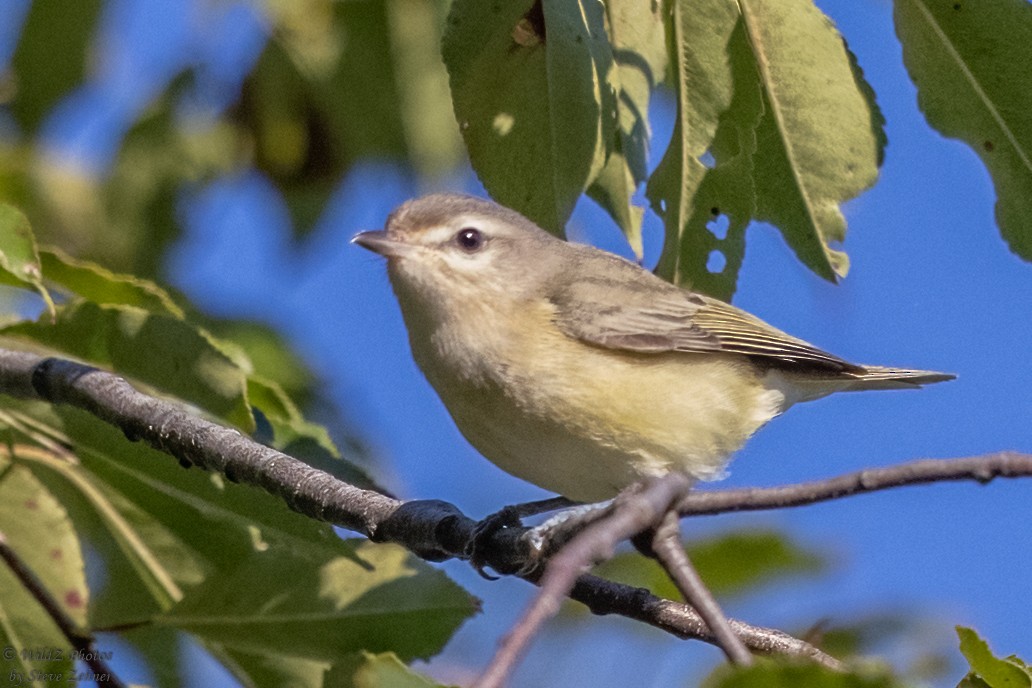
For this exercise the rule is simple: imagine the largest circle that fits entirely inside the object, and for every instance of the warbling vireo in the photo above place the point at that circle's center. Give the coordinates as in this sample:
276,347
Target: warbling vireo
580,371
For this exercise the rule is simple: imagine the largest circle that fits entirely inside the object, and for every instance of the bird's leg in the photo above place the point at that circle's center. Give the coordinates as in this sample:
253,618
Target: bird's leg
507,517
667,547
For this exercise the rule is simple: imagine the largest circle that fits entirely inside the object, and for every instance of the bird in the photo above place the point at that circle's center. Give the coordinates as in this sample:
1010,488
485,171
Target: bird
580,371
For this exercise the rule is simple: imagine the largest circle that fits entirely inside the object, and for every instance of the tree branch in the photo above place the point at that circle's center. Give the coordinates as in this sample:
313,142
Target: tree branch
433,530
436,530
982,469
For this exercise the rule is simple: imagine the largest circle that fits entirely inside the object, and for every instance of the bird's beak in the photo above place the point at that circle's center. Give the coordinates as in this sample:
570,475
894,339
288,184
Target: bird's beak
377,241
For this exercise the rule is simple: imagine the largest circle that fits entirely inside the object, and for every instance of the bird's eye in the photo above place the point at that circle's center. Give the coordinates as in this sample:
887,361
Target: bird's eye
470,239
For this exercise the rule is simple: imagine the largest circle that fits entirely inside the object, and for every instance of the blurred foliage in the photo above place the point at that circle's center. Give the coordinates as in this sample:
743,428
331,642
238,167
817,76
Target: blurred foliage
780,674
729,564
550,100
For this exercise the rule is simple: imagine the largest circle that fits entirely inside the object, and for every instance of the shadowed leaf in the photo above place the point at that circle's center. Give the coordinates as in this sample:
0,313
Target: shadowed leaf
527,84
729,564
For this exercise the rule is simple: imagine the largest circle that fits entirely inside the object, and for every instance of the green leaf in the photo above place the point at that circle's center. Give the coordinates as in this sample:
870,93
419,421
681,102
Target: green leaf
729,564
19,258
45,74
145,564
380,598
790,134
100,285
272,669
780,674
368,670
635,28
816,146
37,527
719,108
156,349
993,671
304,440
970,62
343,81
527,82
162,650
25,628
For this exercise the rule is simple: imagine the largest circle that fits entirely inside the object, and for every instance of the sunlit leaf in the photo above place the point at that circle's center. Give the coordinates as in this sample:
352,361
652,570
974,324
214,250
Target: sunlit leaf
159,350
765,131
39,530
19,257
970,62
368,670
816,146
144,563
636,31
536,115
379,599
99,285
706,208
993,671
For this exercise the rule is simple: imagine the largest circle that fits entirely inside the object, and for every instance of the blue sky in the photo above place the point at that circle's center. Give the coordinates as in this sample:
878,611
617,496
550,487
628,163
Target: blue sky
932,286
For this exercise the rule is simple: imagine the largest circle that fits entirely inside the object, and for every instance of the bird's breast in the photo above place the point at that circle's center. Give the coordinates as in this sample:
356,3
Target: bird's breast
582,420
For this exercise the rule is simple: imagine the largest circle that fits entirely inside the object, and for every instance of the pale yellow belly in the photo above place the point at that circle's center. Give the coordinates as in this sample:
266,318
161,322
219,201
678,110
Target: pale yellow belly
588,425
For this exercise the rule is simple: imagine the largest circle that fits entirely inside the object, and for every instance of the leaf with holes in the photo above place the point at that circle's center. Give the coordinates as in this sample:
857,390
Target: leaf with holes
970,62
707,208
764,131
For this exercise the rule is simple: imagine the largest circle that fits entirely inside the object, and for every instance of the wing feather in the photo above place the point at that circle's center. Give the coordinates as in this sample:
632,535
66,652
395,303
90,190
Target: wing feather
642,313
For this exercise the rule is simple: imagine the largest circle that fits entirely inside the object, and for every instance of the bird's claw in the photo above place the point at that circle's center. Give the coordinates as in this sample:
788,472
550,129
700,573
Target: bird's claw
507,517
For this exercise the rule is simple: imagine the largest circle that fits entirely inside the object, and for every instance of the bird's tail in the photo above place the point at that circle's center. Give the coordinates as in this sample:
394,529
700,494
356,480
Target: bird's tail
878,377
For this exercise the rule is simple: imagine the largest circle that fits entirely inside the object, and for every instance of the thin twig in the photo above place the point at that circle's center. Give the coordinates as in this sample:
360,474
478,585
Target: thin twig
982,469
83,643
629,516
669,550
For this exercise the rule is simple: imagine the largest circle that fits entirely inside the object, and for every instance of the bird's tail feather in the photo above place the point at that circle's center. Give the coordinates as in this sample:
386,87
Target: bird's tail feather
878,377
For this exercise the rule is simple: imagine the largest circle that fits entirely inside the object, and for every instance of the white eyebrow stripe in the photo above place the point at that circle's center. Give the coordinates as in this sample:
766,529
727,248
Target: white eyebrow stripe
444,233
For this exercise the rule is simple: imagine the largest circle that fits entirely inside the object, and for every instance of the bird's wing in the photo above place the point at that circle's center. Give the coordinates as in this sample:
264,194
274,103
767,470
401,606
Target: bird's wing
650,316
